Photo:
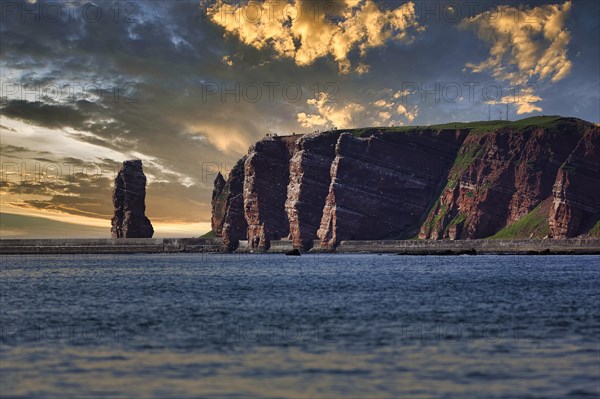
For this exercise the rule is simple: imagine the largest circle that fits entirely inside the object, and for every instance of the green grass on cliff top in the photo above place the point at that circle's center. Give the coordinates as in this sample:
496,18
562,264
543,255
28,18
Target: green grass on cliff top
477,127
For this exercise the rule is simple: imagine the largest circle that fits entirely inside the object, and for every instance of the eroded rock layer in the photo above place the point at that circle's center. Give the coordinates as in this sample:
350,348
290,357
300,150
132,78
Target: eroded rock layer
536,177
576,194
266,177
129,194
499,177
309,186
382,185
234,223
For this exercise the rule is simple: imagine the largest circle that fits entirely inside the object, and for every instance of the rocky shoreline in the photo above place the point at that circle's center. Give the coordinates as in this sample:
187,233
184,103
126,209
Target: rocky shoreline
575,246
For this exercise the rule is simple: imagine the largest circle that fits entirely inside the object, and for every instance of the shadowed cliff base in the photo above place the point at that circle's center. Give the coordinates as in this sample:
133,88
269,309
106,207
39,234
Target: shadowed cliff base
533,178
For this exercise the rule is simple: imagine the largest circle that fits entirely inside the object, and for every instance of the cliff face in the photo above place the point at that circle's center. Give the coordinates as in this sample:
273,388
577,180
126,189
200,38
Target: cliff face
535,177
234,223
576,193
382,185
266,177
309,185
497,178
129,194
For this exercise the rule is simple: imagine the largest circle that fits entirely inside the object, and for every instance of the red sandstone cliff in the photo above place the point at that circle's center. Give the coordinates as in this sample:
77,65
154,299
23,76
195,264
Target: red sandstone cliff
576,193
266,177
453,181
234,223
382,185
228,219
309,185
499,177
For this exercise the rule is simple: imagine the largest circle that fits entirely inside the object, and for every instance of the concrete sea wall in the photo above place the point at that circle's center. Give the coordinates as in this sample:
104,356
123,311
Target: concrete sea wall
215,245
449,247
110,246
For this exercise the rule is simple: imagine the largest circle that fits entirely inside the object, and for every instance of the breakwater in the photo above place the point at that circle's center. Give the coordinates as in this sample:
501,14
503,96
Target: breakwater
215,245
110,246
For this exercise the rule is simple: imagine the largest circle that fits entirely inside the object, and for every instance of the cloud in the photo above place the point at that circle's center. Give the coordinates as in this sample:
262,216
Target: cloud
227,60
48,115
51,183
395,108
525,101
307,30
89,194
348,114
409,114
330,113
362,69
524,43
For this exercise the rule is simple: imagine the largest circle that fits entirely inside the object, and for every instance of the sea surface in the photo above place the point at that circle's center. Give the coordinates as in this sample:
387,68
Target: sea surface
316,326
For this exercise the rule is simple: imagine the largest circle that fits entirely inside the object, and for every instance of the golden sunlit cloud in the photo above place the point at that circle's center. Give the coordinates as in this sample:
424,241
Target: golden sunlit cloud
524,43
307,30
340,116
329,113
525,101
409,114
228,139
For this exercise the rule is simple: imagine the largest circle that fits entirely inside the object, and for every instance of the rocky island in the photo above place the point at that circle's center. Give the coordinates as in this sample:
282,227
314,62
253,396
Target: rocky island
533,178
129,196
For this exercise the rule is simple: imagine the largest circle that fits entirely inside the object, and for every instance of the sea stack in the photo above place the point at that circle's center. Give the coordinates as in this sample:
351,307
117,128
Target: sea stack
219,204
129,194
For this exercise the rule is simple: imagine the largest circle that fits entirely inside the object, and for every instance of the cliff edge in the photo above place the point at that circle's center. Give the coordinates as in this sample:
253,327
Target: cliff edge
533,178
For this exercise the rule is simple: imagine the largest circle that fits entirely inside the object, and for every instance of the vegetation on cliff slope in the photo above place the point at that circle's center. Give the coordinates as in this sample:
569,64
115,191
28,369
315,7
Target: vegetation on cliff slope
595,231
533,225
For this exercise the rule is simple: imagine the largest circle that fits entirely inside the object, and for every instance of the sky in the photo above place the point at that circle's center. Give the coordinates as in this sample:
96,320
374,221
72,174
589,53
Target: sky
188,86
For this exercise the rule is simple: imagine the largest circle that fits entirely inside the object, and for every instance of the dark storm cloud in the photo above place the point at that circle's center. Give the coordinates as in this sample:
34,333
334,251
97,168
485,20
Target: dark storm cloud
39,113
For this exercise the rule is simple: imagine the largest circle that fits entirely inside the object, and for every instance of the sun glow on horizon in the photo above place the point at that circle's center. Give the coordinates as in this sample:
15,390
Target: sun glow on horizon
161,229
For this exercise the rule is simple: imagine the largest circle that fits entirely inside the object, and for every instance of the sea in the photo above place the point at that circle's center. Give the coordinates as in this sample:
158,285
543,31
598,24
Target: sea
314,326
